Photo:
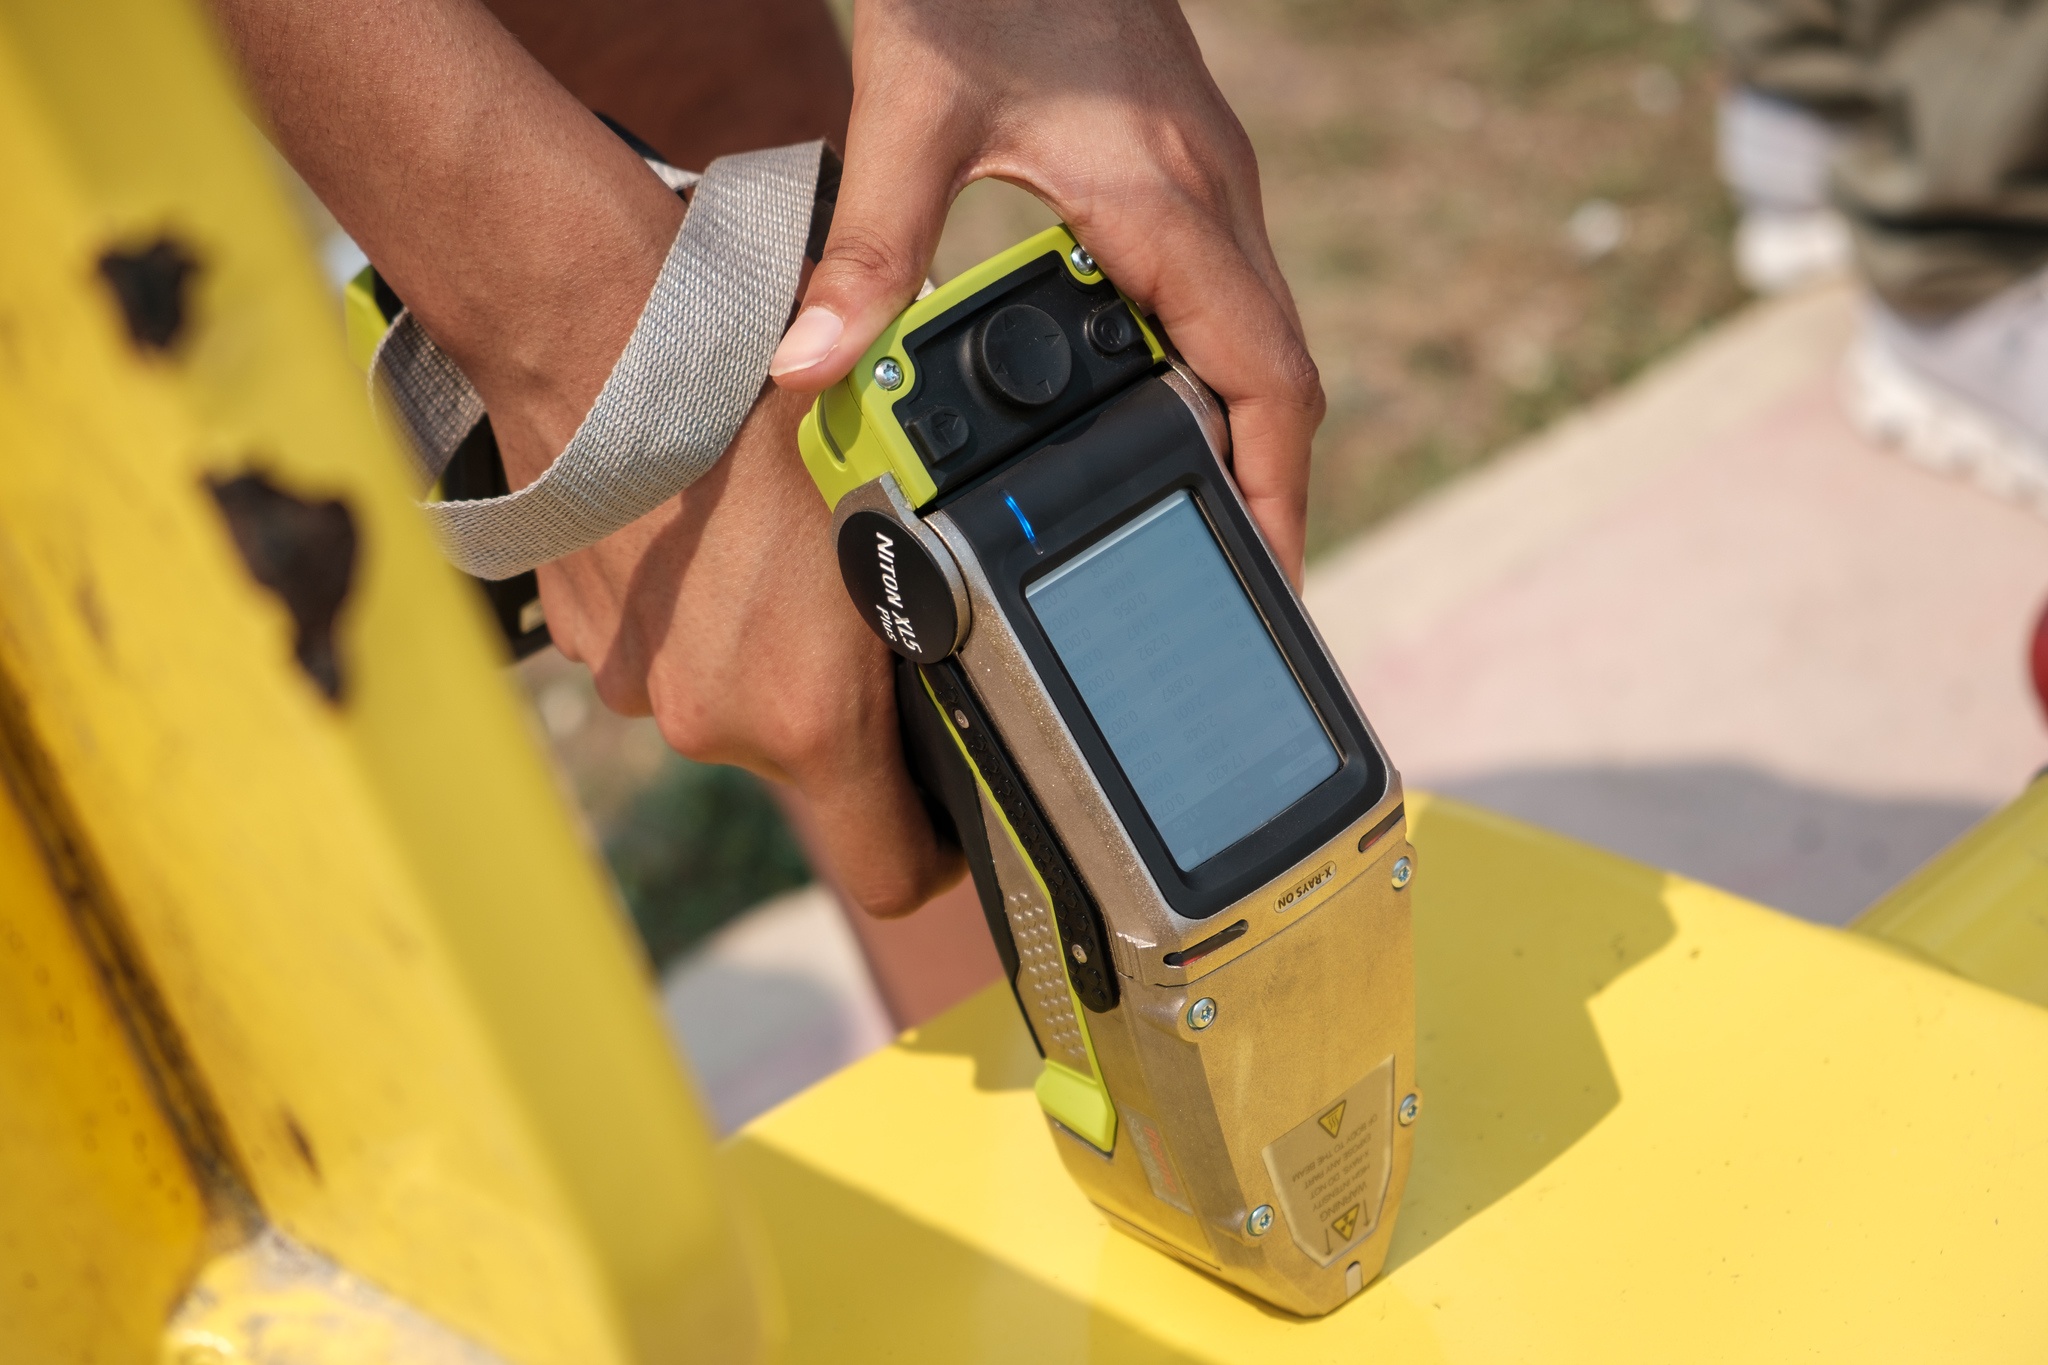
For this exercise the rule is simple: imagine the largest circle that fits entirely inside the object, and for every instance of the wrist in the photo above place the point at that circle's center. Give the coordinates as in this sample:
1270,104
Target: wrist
540,345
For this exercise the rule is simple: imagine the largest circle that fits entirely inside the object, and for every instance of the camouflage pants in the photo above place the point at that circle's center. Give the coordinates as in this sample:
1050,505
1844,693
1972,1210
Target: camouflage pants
1943,110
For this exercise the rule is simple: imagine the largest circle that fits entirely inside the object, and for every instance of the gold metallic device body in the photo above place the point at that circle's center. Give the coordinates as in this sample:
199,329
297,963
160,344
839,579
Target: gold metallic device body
1241,1106
1260,1136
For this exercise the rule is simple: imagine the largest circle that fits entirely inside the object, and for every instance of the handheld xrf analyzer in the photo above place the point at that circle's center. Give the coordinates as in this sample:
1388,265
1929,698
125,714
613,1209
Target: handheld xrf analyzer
1187,841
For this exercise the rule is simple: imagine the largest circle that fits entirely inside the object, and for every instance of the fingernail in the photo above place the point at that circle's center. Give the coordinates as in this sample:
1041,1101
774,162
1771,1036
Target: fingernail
809,340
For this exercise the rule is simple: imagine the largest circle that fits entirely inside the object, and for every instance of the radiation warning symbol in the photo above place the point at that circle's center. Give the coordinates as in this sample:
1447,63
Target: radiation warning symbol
1332,1169
1332,1121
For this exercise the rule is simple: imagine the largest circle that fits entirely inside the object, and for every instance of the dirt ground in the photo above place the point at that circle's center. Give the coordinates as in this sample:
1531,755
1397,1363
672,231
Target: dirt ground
1489,210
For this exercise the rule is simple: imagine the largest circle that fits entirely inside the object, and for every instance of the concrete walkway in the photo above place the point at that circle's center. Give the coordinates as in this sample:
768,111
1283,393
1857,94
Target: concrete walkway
1701,624
777,1000
1706,626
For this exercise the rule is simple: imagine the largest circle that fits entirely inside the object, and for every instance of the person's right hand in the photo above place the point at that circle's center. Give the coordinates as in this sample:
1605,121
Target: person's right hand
1104,109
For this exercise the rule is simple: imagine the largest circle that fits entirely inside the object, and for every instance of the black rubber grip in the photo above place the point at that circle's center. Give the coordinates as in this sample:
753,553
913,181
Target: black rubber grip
946,783
1079,922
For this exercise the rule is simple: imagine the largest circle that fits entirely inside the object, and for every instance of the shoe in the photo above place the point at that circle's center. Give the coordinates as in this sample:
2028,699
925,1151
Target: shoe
1968,396
1774,156
1778,251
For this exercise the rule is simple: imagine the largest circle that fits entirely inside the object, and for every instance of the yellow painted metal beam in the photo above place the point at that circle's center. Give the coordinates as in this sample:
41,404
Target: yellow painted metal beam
1663,1124
402,985
102,1217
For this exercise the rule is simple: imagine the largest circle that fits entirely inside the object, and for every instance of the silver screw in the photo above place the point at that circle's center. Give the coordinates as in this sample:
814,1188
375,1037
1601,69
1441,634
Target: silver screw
1201,1014
960,719
1083,262
888,373
1259,1221
1403,871
1410,1107
1080,953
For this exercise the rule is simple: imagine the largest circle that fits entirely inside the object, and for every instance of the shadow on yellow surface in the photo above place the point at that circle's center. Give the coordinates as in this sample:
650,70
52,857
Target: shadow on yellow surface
1003,1058
1511,1066
942,1300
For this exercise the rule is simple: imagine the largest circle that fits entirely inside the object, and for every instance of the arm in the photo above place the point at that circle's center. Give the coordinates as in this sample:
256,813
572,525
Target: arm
520,231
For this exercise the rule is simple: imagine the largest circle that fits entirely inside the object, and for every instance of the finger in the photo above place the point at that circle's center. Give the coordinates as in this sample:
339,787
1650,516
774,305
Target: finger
892,206
1238,330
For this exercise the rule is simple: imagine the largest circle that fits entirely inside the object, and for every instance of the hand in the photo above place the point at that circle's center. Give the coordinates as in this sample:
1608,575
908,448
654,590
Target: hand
1104,109
722,615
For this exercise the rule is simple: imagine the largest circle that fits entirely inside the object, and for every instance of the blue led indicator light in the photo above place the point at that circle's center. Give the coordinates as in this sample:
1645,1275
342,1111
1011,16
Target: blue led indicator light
1024,522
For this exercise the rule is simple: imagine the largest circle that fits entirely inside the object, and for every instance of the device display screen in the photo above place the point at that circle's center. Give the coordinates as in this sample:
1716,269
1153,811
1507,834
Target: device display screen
1183,679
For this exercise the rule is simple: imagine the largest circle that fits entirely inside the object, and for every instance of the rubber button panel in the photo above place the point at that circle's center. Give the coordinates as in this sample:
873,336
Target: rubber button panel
1012,364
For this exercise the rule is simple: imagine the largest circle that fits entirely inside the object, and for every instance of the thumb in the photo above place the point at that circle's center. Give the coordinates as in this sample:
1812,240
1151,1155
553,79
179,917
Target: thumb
886,227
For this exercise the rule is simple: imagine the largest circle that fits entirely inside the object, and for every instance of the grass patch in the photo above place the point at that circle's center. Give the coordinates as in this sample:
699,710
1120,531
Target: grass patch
698,845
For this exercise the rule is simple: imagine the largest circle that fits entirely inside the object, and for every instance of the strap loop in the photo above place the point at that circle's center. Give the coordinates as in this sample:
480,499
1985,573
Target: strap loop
689,375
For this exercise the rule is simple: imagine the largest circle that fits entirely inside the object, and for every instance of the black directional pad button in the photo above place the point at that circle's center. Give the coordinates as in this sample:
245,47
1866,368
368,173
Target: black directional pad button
1023,355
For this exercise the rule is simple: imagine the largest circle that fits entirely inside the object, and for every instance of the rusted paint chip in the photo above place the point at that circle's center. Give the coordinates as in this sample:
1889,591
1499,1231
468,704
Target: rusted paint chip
301,1144
305,552
150,286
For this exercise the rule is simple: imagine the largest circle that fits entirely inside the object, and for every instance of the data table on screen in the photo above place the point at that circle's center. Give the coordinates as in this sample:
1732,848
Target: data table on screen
1183,679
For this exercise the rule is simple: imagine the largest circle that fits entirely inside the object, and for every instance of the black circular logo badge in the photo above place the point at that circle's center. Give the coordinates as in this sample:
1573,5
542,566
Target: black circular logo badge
897,587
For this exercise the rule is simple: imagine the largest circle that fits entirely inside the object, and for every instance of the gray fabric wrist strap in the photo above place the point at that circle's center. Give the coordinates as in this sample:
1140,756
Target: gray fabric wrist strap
674,401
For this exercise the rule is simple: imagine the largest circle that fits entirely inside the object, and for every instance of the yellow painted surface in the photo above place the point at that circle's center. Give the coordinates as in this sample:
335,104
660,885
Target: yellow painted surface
1662,1124
101,1221
1980,907
395,965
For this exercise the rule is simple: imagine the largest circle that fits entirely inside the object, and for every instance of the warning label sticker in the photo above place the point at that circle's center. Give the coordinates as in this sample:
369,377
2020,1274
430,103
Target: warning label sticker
1331,1169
